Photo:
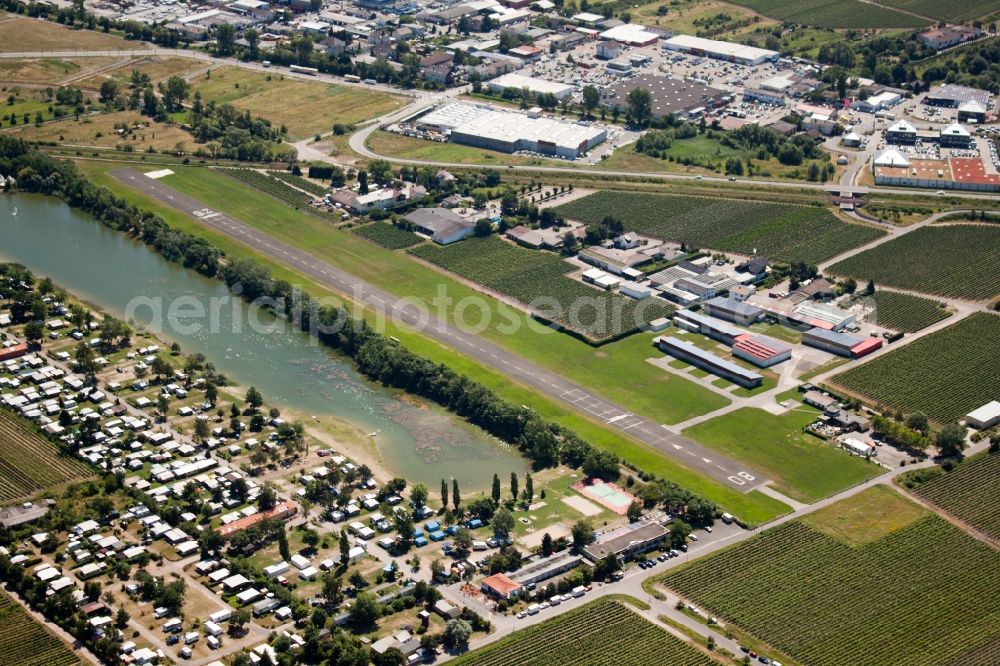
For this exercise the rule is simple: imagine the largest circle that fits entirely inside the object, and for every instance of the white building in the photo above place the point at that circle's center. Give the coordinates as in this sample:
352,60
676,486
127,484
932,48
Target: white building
984,417
535,86
699,46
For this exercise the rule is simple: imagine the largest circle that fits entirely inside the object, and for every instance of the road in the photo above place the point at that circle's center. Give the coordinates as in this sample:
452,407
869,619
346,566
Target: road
404,312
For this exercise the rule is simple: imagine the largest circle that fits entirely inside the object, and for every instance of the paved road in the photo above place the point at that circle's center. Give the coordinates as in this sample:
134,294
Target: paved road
404,312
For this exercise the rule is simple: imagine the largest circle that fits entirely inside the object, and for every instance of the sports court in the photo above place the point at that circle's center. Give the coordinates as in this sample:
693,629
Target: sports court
607,495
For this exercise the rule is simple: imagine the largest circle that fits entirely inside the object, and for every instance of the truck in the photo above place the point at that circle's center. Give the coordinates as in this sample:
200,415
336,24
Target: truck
352,78
312,71
533,609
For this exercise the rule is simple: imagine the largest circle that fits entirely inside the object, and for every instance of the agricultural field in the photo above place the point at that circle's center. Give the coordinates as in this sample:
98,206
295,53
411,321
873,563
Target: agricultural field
29,463
300,182
158,69
953,11
26,34
905,312
969,492
48,71
868,581
801,465
945,375
536,278
600,633
411,148
304,107
834,13
780,231
277,188
387,235
958,260
101,131
25,642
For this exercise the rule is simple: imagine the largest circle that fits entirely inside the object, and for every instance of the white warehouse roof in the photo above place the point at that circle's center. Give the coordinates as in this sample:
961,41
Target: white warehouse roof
718,48
891,158
629,33
537,86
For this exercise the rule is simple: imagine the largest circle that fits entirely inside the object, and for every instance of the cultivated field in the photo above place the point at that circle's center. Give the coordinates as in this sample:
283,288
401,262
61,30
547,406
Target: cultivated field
158,69
100,131
833,13
387,235
945,375
25,34
538,280
305,108
29,463
779,231
603,632
869,581
953,11
959,260
905,312
279,189
300,182
25,642
970,492
45,70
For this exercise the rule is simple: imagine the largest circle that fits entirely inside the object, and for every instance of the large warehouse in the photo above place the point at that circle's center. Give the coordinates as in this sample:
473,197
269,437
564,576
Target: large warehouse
761,350
667,96
699,46
520,82
841,344
689,353
509,131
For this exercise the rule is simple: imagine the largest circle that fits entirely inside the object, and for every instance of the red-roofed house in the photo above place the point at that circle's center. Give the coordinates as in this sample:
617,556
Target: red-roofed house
279,512
500,586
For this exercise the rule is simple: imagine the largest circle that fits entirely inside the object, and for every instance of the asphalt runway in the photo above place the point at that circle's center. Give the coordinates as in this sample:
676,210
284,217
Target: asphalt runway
548,383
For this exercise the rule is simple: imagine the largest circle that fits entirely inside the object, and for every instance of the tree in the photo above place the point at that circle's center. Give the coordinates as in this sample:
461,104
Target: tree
403,524
870,288
254,398
34,331
591,98
418,495
483,228
391,657
238,621
363,182
283,549
513,485
457,634
917,421
109,90
345,547
462,544
496,489
951,441
444,493
606,567
456,497
437,569
547,547
601,464
503,522
121,618
640,105
225,39
583,533
634,511
529,488
267,499
365,611
679,531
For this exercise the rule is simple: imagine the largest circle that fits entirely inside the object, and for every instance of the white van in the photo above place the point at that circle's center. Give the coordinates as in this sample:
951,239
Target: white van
533,609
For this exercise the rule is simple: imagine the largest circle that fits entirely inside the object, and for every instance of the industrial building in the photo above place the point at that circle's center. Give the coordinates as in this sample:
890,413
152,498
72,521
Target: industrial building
667,96
879,102
955,173
708,326
440,224
761,350
699,46
689,353
535,86
509,131
972,112
952,95
984,417
841,344
546,568
901,132
733,310
955,136
626,542
631,34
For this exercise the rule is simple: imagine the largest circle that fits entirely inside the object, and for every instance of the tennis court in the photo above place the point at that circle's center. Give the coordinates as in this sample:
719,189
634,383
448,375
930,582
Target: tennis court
607,495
